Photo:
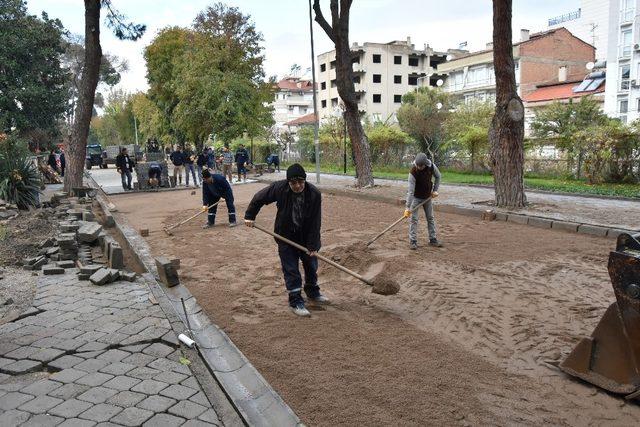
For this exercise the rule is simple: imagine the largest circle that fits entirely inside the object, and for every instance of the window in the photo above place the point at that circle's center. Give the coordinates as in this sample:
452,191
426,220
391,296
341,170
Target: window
333,83
413,61
413,80
397,59
377,59
356,79
478,76
334,102
377,78
397,79
455,80
332,64
303,110
397,99
625,43
355,59
323,68
377,98
627,10
323,103
291,108
323,86
623,109
624,76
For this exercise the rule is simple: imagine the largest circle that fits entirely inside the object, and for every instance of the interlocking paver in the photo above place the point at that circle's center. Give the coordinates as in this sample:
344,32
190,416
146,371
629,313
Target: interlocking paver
100,413
127,399
13,417
117,368
40,404
201,399
22,367
68,375
186,409
46,355
132,417
65,362
191,382
21,352
139,359
114,355
91,365
41,387
70,408
93,346
122,382
164,420
170,377
179,392
13,400
68,391
156,403
94,379
210,416
158,350
143,373
70,344
77,422
43,420
150,387
97,395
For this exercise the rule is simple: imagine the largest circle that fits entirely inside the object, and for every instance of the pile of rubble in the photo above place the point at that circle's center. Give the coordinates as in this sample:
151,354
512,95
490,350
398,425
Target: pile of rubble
7,211
79,238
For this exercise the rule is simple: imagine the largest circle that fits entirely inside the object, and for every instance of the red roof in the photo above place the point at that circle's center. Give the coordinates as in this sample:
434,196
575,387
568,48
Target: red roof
558,92
303,120
295,84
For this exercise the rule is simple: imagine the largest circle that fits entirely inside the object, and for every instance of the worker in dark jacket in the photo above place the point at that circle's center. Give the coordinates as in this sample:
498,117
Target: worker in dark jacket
155,174
63,163
298,218
52,161
201,161
124,166
242,158
214,188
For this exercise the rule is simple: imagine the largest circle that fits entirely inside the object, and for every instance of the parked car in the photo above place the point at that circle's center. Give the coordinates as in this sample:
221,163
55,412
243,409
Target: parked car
95,157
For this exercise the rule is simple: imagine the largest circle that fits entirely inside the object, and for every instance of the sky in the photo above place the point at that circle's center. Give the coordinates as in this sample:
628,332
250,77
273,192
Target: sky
284,25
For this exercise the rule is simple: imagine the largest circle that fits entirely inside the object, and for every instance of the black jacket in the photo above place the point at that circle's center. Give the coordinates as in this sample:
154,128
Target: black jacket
280,192
213,192
177,158
120,163
201,160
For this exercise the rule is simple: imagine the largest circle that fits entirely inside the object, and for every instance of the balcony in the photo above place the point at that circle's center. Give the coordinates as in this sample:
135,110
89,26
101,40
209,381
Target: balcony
624,51
359,68
627,16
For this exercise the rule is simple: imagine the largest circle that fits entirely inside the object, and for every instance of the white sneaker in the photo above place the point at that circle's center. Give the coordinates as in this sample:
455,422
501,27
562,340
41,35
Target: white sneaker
320,300
301,311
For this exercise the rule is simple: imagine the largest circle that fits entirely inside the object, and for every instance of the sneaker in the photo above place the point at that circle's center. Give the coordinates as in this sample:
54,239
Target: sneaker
300,310
321,299
207,225
435,243
233,224
413,245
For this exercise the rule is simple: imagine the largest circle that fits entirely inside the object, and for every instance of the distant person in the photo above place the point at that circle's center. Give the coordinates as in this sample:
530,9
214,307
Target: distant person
211,158
242,158
273,159
214,188
52,161
201,162
227,164
189,160
424,180
124,166
63,163
167,153
298,218
177,158
155,174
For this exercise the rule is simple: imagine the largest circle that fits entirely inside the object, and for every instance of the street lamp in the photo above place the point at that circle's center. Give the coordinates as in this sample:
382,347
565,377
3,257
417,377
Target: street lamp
316,140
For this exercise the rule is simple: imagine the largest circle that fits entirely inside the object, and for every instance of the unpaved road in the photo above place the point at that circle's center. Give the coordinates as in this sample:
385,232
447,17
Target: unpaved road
472,337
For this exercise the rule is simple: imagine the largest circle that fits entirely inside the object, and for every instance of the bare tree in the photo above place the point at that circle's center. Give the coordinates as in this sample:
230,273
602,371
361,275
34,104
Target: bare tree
76,150
338,32
506,134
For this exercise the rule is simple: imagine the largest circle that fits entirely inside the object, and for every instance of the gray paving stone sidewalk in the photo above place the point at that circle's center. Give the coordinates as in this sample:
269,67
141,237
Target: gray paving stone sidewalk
612,213
89,355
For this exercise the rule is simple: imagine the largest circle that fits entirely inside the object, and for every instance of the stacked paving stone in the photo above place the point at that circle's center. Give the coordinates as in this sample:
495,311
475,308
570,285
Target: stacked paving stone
7,210
142,173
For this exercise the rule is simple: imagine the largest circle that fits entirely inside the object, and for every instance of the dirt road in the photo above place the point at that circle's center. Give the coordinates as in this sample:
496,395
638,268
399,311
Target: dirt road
472,337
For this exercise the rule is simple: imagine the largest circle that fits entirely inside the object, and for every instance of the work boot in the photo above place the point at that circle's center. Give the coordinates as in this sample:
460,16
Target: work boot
300,310
413,245
207,225
435,243
233,224
320,299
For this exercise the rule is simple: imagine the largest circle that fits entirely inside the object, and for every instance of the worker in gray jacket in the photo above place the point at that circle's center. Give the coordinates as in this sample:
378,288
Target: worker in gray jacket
424,180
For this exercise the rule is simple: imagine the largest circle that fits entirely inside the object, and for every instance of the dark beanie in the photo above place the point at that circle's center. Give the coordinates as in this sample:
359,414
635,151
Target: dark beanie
422,160
206,173
296,171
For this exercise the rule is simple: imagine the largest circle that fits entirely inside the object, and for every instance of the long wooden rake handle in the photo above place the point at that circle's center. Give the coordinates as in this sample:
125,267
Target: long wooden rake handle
323,258
395,223
191,217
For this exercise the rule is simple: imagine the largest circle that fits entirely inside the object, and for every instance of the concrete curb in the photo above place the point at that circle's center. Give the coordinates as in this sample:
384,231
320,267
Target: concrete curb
253,397
518,218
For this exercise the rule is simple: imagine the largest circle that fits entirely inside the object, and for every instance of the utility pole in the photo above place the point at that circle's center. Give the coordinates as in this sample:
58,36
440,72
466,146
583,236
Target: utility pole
316,141
135,126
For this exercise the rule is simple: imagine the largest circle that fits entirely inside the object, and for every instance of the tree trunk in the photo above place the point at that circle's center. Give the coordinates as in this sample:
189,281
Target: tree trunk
507,127
76,152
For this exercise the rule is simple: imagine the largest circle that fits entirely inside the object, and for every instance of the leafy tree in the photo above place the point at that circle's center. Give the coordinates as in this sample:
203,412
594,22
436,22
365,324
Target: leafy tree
32,83
338,32
562,122
467,128
388,143
151,123
422,115
115,126
507,127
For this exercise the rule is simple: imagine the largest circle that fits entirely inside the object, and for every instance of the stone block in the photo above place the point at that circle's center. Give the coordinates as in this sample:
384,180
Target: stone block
21,367
167,272
100,277
89,233
176,263
70,408
518,219
156,403
565,226
613,233
501,216
66,264
39,263
101,412
540,222
116,256
128,276
594,230
88,216
113,274
51,269
144,232
132,417
52,251
75,213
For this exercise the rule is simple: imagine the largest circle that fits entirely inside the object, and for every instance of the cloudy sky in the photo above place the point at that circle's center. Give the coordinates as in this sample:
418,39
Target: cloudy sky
284,25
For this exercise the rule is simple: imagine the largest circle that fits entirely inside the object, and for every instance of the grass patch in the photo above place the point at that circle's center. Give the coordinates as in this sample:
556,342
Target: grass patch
554,184
3,232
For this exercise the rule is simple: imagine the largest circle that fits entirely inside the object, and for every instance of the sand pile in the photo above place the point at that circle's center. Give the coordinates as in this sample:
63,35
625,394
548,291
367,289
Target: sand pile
384,284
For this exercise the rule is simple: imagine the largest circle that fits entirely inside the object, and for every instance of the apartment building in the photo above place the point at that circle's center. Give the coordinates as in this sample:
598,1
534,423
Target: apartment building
383,72
293,99
543,58
622,96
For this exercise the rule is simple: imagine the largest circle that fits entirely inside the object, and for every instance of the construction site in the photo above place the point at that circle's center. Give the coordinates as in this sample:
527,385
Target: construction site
477,333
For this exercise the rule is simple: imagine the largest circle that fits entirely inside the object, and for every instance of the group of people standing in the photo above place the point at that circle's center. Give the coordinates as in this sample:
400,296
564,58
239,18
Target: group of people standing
188,163
53,160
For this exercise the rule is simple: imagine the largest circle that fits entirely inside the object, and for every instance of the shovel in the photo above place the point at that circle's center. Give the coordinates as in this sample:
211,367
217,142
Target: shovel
382,286
395,223
168,229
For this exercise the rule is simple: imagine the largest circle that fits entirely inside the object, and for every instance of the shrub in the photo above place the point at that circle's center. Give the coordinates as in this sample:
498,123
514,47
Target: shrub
19,177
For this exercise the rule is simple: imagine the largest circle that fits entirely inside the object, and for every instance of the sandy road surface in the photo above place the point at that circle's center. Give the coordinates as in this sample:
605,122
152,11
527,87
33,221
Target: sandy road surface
471,338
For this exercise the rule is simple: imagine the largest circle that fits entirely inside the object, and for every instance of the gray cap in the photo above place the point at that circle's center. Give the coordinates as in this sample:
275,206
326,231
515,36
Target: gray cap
421,160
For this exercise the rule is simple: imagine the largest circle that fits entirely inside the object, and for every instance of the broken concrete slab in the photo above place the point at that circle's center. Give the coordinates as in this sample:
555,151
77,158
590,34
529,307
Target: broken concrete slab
89,233
66,264
100,277
128,276
167,272
51,269
90,269
116,256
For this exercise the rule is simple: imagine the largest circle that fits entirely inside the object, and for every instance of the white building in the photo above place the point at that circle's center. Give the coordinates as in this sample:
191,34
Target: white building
383,72
622,95
589,23
293,99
